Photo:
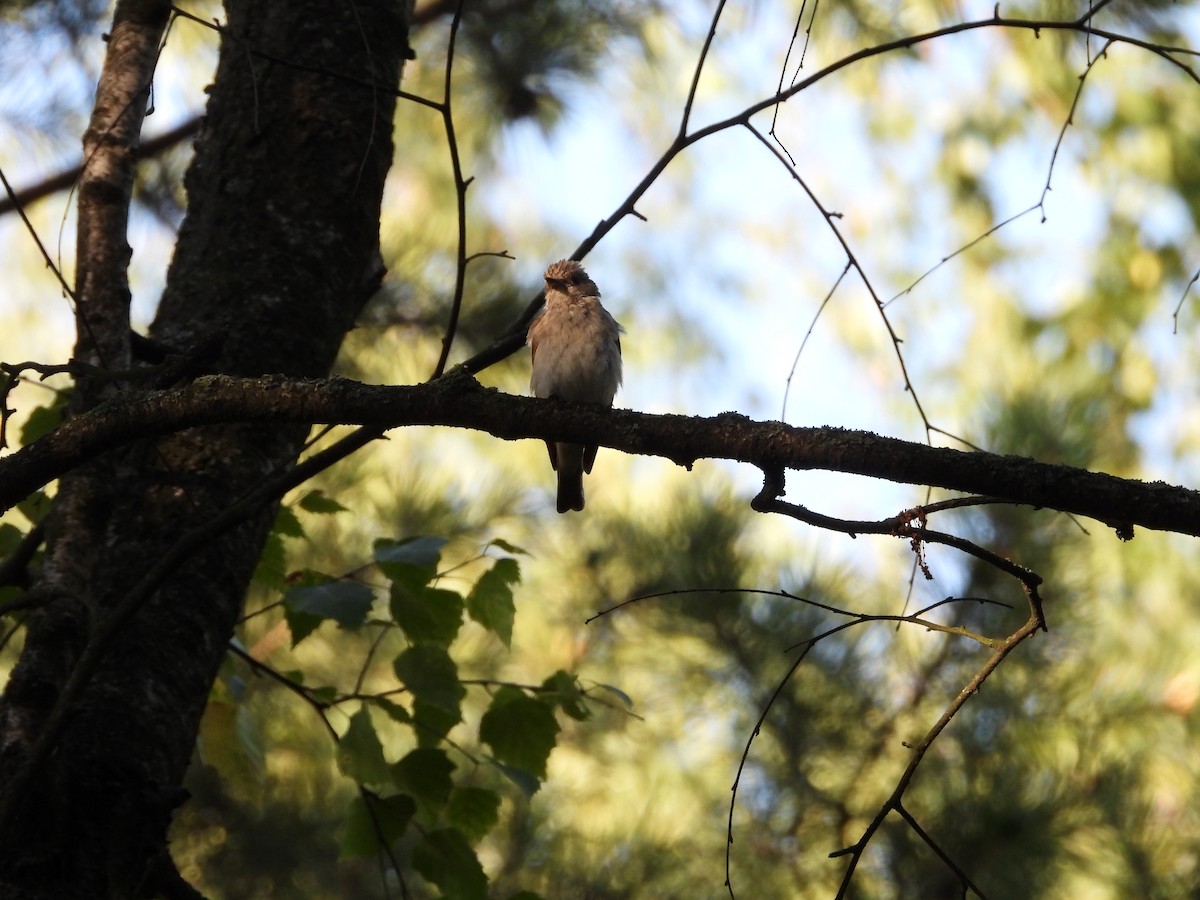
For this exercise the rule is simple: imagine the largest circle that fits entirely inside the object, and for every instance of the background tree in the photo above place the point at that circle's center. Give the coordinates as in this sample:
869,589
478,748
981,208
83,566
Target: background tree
1076,761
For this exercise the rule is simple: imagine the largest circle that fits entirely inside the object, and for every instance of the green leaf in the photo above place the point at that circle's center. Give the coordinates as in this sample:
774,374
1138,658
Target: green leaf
473,811
509,548
315,597
413,560
8,594
387,818
42,420
620,694
527,783
425,773
270,571
317,502
395,711
564,690
287,524
490,602
345,602
431,675
427,614
301,625
521,730
229,742
35,506
432,723
445,858
360,755
324,694
10,538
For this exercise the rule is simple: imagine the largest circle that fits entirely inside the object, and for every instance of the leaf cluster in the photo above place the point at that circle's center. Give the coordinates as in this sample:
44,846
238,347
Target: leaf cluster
428,763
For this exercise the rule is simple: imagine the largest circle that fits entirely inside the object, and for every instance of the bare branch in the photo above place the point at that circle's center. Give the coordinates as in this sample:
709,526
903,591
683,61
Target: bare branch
691,94
856,618
106,185
811,326
967,246
1103,54
514,338
457,400
1179,306
227,35
15,202
460,197
805,647
902,526
954,867
855,851
917,618
799,66
852,260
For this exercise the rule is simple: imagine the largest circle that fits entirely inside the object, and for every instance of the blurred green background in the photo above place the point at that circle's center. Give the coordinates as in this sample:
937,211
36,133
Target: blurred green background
1073,774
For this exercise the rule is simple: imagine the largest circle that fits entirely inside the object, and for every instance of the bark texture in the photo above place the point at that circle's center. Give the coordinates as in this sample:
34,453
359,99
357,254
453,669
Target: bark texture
277,255
458,400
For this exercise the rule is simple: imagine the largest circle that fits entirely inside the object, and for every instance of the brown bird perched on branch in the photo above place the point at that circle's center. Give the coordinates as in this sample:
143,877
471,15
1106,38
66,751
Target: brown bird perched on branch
576,347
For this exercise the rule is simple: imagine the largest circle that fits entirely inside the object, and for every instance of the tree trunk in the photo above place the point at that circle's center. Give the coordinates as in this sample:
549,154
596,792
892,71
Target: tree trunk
275,259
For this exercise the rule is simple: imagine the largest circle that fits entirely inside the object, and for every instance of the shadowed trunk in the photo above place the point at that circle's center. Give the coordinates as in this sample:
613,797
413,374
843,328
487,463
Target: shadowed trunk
276,257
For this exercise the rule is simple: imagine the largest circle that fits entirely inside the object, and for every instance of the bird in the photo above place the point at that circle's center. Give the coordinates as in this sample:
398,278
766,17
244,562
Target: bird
576,351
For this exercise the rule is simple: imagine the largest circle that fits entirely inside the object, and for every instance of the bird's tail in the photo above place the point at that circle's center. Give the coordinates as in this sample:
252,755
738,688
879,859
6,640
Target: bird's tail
570,477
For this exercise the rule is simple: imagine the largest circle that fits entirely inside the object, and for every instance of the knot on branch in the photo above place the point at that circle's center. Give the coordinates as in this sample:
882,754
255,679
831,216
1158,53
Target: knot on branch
773,488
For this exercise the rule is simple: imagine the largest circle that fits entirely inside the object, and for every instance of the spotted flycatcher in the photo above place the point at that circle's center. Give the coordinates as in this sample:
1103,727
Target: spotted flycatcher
576,348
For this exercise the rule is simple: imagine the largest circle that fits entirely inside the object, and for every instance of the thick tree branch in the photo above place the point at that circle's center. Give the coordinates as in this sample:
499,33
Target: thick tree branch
142,579
459,401
106,182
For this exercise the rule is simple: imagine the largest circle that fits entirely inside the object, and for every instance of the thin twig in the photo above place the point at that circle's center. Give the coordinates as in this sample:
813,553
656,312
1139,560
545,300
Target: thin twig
856,850
460,197
514,338
292,685
901,526
783,75
762,717
1103,54
1179,305
367,83
366,664
953,866
691,94
811,326
963,249
799,67
385,846
856,618
19,206
852,259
